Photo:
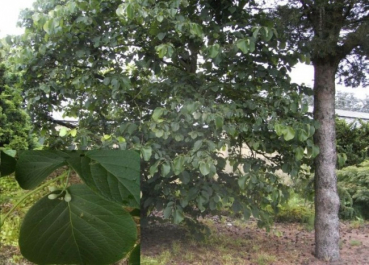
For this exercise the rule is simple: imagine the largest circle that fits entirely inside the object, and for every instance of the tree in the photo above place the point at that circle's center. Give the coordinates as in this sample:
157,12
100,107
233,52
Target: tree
348,101
179,81
335,36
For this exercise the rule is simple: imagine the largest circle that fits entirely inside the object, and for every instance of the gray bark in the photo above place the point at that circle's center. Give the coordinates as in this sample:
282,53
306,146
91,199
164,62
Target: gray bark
326,197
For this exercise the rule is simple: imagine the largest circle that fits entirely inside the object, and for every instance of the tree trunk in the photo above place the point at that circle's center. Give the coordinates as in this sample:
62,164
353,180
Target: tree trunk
326,197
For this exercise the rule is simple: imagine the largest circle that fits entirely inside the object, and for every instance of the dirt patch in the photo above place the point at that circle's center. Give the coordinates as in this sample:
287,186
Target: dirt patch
237,242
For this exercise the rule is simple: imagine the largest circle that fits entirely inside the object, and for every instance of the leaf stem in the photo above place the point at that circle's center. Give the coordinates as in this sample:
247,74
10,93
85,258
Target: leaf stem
30,193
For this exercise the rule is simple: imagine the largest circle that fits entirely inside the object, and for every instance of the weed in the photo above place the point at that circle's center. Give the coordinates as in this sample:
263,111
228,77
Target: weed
309,224
176,248
241,223
256,248
265,259
149,261
189,257
340,244
359,222
10,230
355,243
162,259
277,233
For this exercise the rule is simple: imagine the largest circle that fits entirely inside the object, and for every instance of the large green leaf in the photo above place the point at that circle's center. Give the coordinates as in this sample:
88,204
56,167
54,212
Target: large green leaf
146,152
7,164
134,258
157,114
242,45
214,50
204,168
178,215
85,230
288,133
34,166
113,174
119,163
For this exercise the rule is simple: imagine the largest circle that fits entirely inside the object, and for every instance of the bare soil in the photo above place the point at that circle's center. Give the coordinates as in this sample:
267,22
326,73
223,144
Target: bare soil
238,242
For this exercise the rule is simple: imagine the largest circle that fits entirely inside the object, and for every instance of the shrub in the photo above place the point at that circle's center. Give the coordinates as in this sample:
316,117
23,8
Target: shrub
15,123
352,139
296,210
353,186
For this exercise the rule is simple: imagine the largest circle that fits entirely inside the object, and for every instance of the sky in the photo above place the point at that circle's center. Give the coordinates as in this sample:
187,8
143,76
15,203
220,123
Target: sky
9,12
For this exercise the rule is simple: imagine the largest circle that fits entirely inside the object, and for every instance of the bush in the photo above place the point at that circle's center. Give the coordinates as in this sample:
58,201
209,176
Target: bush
352,139
353,186
15,123
296,210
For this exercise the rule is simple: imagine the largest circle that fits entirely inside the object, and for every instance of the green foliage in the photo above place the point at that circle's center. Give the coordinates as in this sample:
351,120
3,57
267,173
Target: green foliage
15,123
352,139
73,219
296,210
7,162
349,101
10,230
134,258
10,193
343,20
132,75
72,232
353,184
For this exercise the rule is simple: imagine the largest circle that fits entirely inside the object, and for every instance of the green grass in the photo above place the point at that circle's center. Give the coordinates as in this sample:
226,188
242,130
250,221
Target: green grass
10,194
355,243
265,259
162,259
357,223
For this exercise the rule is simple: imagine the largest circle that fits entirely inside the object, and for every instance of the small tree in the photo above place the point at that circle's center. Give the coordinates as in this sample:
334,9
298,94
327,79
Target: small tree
180,81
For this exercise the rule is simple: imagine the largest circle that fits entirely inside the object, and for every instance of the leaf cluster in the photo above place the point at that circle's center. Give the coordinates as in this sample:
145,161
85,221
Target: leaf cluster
71,222
352,140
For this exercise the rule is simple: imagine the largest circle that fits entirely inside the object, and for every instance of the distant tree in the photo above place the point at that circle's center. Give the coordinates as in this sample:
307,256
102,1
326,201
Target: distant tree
334,36
348,101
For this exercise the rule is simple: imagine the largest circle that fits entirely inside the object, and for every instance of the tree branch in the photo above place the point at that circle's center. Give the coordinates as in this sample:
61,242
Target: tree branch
349,7
354,39
172,64
60,122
